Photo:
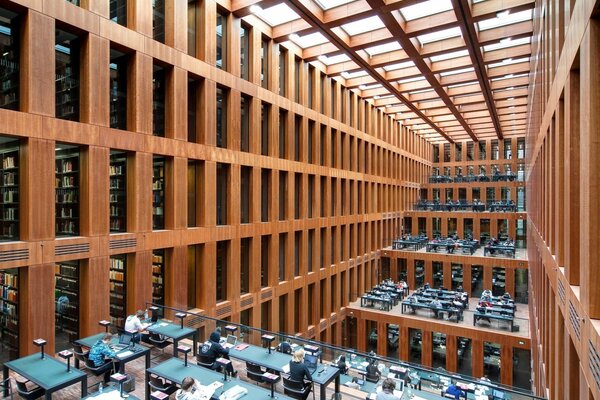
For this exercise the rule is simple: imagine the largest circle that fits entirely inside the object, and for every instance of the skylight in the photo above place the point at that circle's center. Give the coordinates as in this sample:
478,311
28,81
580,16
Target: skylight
278,14
509,61
363,25
340,58
447,56
313,39
425,9
458,71
415,79
357,74
327,4
505,19
439,35
506,44
383,48
404,64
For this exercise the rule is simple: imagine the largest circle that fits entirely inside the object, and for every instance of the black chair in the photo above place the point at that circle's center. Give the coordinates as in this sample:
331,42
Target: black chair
372,377
5,385
105,369
204,361
254,372
80,354
159,341
157,383
296,389
27,393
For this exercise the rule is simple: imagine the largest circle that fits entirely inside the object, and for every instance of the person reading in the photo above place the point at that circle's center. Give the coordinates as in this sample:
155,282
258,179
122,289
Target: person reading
387,390
134,325
102,356
298,369
212,349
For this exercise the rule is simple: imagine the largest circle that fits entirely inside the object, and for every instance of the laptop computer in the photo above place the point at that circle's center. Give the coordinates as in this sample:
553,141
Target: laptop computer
311,362
230,342
124,341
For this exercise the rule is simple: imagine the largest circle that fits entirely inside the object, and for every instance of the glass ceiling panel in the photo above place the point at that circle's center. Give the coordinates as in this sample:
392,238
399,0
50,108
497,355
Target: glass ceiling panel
363,25
383,48
357,74
509,61
327,4
458,71
505,19
278,14
439,35
334,59
425,9
507,43
404,64
313,39
415,79
448,56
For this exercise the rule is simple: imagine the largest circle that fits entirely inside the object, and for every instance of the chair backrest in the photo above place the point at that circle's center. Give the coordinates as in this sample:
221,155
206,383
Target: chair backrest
254,368
22,387
295,386
156,382
204,360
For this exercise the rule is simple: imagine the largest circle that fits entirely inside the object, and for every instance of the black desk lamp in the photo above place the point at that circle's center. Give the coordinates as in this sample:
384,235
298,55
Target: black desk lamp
66,354
120,379
40,343
268,339
105,324
185,350
231,329
181,316
223,362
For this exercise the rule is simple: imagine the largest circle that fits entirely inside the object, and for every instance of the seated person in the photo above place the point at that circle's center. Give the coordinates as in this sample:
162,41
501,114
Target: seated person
285,347
506,296
426,286
101,355
353,383
190,390
482,310
212,349
387,392
298,370
134,325
454,311
437,305
341,364
373,373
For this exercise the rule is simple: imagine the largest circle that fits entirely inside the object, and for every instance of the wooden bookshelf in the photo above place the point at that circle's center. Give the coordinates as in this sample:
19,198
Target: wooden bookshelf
9,191
67,191
118,191
9,314
118,290
158,193
158,276
66,293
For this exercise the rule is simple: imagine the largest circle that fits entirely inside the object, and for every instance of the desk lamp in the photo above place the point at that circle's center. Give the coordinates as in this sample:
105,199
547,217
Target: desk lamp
185,350
181,316
40,343
231,329
268,339
314,350
223,362
120,379
105,324
66,354
154,310
271,379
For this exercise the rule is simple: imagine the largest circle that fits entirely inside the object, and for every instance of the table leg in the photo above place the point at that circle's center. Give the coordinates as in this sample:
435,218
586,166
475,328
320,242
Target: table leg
76,363
147,385
5,377
48,395
337,384
147,360
175,344
323,392
84,386
195,342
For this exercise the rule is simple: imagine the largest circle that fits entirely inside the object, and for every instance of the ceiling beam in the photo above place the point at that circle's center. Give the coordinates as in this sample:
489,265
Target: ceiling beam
467,27
304,8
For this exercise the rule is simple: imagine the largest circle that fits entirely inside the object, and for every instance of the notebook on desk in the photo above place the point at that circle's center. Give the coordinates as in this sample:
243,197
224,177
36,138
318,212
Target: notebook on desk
230,342
311,362
124,341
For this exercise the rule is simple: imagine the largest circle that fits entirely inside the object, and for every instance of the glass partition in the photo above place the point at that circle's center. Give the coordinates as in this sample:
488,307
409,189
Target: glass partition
476,280
452,226
393,339
484,230
414,345
491,361
437,227
438,350
521,285
457,275
498,281
419,273
468,227
438,274
522,368
464,353
402,269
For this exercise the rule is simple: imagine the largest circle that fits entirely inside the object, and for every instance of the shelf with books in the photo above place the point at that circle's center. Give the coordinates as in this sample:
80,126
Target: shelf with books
9,189
67,190
158,277
118,191
9,314
118,290
66,293
158,193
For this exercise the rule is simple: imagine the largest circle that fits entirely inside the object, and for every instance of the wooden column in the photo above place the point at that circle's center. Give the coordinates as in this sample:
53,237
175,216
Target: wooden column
94,101
94,195
176,277
94,289
36,318
139,280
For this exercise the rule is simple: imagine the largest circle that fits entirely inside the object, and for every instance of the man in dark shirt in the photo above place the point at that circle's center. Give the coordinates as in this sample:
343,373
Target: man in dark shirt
298,370
213,350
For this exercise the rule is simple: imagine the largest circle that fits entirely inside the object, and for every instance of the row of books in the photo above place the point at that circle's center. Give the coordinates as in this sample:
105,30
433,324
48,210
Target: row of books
9,294
66,212
157,279
10,213
10,196
66,283
65,166
117,263
117,287
116,275
115,225
10,321
67,196
9,178
65,182
9,279
67,227
66,270
116,211
116,170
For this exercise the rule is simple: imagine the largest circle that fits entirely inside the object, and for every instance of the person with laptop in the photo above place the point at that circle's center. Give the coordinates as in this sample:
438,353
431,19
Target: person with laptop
101,355
134,325
299,370
213,349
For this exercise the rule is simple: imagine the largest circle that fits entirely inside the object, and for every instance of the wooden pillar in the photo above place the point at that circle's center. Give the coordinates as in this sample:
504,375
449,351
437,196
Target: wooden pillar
94,208
176,277
94,289
94,102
